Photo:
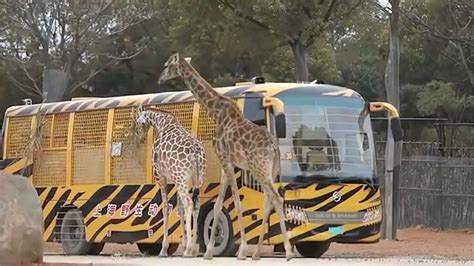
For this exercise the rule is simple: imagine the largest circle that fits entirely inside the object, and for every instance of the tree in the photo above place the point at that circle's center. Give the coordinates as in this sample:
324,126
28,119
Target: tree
392,79
75,39
361,55
297,24
448,25
442,99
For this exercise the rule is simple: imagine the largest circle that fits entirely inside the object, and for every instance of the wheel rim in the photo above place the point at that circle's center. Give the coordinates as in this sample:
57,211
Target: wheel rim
74,233
221,235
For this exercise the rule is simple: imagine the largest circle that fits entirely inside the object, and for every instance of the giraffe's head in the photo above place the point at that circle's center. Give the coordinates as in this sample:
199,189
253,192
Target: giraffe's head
172,68
141,121
159,119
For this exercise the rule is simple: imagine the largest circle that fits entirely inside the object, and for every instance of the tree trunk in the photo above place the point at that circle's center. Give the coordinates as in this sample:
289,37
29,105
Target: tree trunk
392,70
299,55
55,83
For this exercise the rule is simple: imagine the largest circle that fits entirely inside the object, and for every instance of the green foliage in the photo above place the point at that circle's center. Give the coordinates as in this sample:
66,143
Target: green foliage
439,42
234,40
438,98
361,56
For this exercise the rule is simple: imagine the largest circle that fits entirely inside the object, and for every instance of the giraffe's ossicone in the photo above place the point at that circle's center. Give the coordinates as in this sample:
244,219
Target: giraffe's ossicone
178,158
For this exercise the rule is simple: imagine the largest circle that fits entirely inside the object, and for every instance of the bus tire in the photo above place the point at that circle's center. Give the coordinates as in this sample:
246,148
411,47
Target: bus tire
312,249
96,248
153,249
225,245
73,233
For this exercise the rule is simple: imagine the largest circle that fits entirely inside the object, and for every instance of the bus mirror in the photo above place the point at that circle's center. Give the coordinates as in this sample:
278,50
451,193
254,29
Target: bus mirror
375,107
278,110
396,127
280,125
275,104
383,106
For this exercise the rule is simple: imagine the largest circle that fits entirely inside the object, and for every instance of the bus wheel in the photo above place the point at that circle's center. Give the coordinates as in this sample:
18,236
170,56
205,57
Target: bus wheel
312,249
225,243
96,248
73,235
151,249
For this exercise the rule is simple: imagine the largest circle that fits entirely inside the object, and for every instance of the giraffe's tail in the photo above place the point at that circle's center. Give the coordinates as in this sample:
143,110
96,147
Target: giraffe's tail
196,184
195,197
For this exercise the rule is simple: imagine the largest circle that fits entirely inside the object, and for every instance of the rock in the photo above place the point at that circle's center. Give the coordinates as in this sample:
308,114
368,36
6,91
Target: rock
21,221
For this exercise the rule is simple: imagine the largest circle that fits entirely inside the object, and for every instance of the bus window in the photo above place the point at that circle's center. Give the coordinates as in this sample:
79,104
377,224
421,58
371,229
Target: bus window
254,111
327,138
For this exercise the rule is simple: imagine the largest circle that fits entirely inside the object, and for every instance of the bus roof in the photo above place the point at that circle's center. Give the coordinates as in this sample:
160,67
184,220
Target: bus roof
83,104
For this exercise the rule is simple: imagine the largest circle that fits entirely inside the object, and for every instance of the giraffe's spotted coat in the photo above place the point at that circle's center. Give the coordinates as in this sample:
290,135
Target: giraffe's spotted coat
178,158
238,143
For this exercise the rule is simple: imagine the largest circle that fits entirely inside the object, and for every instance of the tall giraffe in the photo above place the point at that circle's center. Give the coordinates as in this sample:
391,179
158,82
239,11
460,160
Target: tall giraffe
180,158
238,143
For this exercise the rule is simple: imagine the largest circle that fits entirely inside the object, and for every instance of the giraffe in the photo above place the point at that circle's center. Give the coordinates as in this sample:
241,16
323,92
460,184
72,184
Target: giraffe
180,158
238,143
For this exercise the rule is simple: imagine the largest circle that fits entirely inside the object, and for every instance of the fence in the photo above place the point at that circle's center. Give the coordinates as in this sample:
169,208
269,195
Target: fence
436,184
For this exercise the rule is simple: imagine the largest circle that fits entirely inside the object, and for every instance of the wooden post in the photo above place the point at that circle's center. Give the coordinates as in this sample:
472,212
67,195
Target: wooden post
388,190
393,158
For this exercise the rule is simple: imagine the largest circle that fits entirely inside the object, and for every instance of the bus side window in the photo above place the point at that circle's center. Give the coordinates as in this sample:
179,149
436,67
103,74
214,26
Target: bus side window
254,111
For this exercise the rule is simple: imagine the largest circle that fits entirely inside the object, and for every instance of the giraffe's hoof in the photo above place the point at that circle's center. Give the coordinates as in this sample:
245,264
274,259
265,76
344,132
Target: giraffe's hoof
195,251
163,254
241,255
188,253
256,257
289,256
208,255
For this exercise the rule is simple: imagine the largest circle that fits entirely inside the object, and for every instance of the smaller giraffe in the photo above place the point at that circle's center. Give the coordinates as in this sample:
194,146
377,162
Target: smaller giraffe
179,158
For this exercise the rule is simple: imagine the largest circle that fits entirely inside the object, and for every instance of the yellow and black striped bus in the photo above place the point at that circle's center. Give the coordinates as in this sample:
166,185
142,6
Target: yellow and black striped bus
93,192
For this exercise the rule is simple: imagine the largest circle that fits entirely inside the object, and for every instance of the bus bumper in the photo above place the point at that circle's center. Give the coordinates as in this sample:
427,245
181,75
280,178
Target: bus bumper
354,216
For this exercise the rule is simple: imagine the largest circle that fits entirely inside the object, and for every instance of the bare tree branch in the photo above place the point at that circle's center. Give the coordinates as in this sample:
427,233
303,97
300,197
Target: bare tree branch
246,17
96,16
350,10
432,30
124,57
329,11
92,75
23,87
28,75
464,63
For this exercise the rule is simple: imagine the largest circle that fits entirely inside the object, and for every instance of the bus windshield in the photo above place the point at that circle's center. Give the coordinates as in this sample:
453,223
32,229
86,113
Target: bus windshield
329,138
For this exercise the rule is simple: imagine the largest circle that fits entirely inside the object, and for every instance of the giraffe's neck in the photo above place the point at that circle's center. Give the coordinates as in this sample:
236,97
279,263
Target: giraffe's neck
158,122
202,90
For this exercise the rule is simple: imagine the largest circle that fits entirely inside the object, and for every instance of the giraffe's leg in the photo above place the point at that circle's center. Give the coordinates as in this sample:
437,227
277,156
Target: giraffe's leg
186,199
181,219
266,212
235,192
164,196
277,202
195,226
217,210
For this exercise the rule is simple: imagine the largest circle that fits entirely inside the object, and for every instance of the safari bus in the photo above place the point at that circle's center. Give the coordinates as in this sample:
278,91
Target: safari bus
94,192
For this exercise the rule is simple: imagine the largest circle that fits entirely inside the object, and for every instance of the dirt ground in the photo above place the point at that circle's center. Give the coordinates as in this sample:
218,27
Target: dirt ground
411,243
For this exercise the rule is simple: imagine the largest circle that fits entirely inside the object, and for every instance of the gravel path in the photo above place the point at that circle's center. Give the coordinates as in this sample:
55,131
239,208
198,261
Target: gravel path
178,261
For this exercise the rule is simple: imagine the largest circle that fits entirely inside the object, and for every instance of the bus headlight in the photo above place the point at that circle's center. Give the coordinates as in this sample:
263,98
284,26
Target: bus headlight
372,215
